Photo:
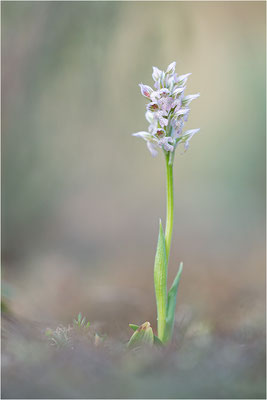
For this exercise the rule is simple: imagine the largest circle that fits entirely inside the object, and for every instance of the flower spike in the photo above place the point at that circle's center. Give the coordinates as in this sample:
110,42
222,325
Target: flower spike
167,111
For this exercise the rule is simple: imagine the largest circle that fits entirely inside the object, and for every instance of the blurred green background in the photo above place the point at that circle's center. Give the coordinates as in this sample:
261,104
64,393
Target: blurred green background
81,198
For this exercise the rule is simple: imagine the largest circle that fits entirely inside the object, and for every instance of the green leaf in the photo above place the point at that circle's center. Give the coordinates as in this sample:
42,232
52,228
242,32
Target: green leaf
143,336
134,327
160,281
172,305
157,341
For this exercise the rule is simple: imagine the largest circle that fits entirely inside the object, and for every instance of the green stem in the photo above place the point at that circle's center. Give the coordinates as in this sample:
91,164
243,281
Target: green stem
162,256
169,205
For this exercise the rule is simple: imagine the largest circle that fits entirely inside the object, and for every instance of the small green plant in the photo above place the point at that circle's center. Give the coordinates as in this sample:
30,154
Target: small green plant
81,322
60,337
167,111
79,330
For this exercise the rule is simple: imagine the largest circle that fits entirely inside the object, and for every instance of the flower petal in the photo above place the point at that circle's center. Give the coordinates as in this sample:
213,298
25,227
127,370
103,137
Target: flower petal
152,106
156,73
149,116
163,121
157,84
164,92
152,148
187,99
187,136
178,91
145,90
182,79
165,143
171,68
182,111
190,133
144,135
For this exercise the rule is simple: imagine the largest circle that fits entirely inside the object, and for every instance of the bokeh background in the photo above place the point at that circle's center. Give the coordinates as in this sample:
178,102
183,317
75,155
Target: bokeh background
81,198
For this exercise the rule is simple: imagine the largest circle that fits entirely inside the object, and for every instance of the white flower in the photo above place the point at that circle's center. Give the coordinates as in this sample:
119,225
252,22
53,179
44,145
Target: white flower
165,143
145,90
181,80
150,141
187,136
167,111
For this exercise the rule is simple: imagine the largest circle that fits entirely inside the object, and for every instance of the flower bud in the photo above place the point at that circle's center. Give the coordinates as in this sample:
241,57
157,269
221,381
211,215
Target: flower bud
156,73
171,68
145,90
143,336
182,79
178,91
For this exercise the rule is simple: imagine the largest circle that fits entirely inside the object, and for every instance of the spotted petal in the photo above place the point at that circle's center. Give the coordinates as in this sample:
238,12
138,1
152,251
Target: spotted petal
145,90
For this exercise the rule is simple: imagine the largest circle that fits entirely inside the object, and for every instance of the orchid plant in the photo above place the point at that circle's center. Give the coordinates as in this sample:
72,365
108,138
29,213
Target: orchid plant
166,113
